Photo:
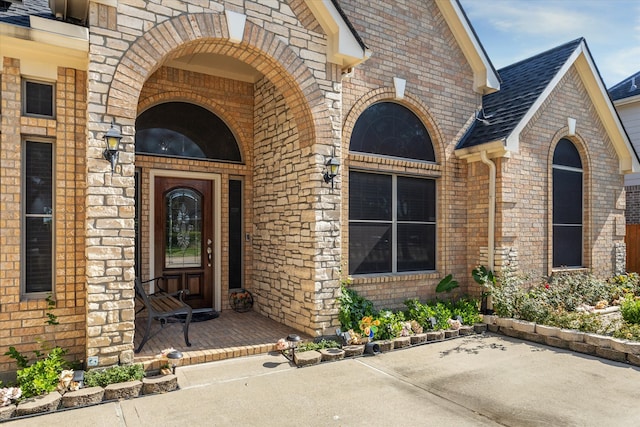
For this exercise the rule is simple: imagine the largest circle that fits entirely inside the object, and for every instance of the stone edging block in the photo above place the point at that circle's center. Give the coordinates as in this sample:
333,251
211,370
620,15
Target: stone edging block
46,403
615,349
82,397
126,390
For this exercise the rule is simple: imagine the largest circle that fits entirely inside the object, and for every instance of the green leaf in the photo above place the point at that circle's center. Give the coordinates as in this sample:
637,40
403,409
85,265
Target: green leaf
447,284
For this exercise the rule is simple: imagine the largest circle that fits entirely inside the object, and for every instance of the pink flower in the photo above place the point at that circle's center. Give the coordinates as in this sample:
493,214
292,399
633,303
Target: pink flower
546,286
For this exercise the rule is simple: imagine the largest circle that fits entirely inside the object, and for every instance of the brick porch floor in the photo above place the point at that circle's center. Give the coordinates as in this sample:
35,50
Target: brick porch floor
231,335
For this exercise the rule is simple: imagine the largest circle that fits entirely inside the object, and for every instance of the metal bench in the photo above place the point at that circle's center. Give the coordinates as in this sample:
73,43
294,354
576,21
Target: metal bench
162,306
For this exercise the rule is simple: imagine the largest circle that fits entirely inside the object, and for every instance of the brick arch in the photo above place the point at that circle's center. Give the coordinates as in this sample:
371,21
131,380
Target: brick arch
414,104
208,33
242,139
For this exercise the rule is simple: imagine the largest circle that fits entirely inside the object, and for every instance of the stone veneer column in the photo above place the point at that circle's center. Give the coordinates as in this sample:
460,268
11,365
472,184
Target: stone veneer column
110,206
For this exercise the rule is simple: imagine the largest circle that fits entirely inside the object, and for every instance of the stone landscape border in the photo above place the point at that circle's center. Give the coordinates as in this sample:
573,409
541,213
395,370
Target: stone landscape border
88,396
616,349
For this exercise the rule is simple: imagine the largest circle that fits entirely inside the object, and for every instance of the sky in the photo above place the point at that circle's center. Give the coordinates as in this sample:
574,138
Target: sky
512,30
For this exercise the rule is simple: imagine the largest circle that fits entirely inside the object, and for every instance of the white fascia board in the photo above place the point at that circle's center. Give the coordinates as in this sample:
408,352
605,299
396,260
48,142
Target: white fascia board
494,149
342,46
626,101
41,52
628,161
70,33
485,79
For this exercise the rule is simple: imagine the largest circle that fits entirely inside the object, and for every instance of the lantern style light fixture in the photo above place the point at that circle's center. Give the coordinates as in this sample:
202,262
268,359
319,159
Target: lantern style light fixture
332,168
293,340
112,140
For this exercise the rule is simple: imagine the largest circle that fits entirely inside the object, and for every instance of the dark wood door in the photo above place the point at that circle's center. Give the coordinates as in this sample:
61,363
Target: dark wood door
184,237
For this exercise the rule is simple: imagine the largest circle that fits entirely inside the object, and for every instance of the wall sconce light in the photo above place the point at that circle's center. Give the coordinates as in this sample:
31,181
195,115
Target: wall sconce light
332,168
112,140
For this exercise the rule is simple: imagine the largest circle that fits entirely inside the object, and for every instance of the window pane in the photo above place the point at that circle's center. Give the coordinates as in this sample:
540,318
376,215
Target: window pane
391,129
235,234
38,244
567,197
370,196
184,229
38,178
567,246
416,199
38,255
180,129
416,247
566,154
39,99
369,248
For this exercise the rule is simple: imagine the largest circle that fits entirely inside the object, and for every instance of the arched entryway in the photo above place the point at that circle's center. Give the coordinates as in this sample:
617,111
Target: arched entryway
276,110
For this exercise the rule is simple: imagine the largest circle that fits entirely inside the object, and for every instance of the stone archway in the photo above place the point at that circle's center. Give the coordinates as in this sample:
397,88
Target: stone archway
110,202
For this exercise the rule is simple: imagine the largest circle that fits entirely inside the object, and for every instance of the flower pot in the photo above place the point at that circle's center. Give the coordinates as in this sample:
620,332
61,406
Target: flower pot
240,300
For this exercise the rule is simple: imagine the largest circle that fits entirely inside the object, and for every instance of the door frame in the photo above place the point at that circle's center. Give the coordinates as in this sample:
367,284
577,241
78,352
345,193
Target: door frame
216,210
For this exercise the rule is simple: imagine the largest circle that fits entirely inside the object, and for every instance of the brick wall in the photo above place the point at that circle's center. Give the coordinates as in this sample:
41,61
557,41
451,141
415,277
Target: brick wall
440,92
23,319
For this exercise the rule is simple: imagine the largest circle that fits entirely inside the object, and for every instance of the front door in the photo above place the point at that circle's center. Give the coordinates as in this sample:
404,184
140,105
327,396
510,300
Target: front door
183,237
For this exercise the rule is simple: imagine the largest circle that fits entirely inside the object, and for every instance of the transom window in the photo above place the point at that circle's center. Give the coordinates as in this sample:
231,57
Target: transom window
392,223
38,217
567,205
391,129
181,129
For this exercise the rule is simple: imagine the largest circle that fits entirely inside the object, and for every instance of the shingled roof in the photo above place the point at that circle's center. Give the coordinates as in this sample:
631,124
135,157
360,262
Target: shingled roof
522,84
18,13
627,88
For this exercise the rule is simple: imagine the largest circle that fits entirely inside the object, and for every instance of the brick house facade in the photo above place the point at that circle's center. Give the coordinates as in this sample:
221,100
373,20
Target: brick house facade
290,80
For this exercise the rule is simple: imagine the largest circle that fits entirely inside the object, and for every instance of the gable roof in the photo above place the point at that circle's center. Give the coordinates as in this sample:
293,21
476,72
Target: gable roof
525,86
628,88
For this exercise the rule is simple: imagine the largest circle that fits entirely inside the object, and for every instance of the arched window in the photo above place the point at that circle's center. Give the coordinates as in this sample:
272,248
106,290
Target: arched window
390,129
180,129
392,218
567,205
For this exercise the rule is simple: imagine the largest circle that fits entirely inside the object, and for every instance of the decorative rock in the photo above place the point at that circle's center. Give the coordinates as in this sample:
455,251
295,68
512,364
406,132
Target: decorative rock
597,340
523,326
7,412
504,322
582,347
556,342
402,342
125,390
435,335
547,331
307,358
466,330
353,350
82,397
451,333
571,335
159,384
418,338
480,328
634,359
46,403
385,345
611,354
329,354
489,319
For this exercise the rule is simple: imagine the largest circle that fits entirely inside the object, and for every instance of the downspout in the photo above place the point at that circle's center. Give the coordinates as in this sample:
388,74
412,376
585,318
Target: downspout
492,209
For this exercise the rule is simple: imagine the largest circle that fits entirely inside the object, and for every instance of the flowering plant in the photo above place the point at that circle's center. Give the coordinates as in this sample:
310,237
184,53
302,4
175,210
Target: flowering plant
241,300
369,326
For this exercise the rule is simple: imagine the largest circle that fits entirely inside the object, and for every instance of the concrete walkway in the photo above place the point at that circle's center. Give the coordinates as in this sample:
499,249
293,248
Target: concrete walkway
470,381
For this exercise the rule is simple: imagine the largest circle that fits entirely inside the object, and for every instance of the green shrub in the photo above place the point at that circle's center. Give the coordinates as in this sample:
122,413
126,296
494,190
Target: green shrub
42,376
630,309
467,309
390,325
308,346
113,375
353,308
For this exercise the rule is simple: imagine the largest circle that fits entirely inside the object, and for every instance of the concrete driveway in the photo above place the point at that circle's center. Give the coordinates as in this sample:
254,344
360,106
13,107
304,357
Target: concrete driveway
469,381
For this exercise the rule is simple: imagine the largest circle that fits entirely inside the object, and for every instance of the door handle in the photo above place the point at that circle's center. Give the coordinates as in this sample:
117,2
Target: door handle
209,251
